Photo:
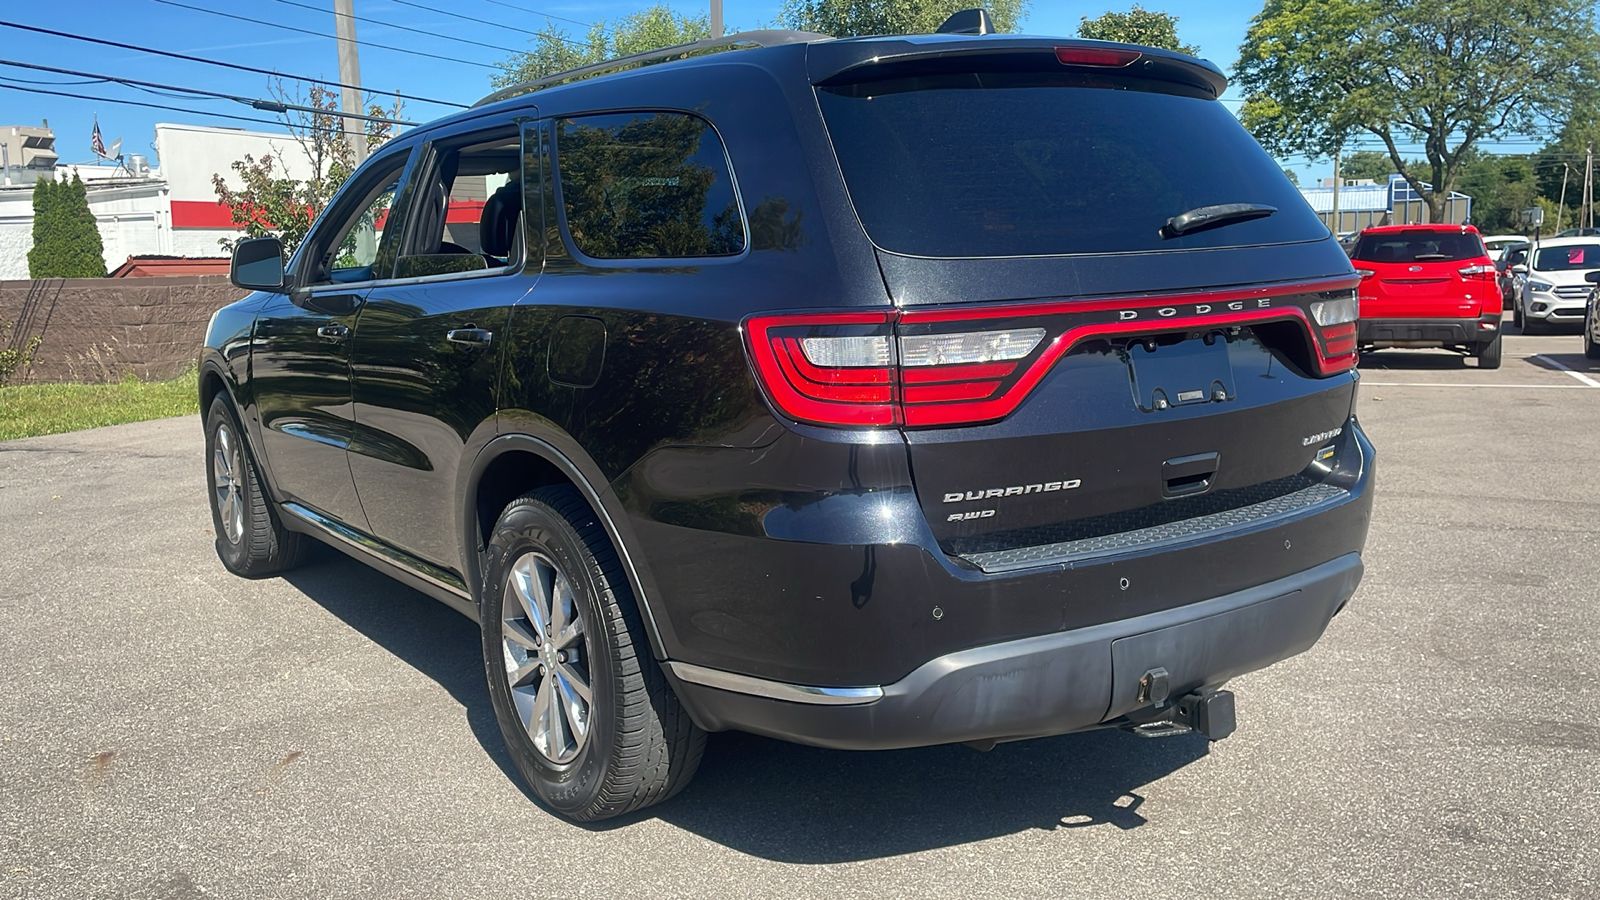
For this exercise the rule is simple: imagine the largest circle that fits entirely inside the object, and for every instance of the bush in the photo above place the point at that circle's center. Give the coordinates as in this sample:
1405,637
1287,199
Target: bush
12,360
66,240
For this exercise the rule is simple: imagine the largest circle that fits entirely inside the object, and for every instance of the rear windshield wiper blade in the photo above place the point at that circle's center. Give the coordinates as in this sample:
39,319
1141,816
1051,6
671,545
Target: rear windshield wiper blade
1212,216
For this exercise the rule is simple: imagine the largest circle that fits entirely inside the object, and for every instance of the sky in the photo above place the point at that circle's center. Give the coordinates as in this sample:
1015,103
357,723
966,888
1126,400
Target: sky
1217,27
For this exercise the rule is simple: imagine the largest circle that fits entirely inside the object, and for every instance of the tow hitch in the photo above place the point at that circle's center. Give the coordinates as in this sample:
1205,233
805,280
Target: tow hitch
1210,714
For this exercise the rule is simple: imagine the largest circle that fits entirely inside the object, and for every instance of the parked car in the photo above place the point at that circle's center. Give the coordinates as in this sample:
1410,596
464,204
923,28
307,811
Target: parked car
1506,274
1428,286
1495,243
1591,321
868,393
1554,292
1579,232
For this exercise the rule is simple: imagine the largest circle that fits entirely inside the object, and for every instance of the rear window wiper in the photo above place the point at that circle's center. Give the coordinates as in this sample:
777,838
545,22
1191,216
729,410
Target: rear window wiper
1212,216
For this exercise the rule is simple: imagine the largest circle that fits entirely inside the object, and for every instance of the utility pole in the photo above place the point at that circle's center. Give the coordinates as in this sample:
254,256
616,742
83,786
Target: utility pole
1561,207
355,130
1586,218
716,18
1335,228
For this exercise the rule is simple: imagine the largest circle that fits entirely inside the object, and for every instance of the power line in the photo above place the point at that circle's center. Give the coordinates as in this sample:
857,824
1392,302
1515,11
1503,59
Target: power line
193,112
276,106
213,62
369,19
213,12
535,12
445,12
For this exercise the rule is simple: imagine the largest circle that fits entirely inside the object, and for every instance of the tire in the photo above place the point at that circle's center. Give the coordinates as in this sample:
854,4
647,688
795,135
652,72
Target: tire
1489,354
631,745
1533,326
1516,315
1591,350
251,541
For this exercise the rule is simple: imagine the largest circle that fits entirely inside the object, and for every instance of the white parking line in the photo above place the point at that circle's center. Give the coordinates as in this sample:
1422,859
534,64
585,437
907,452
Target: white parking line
1575,374
1558,387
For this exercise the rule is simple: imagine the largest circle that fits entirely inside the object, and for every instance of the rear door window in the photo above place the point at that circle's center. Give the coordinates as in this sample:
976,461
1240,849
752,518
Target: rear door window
647,185
1418,246
1034,164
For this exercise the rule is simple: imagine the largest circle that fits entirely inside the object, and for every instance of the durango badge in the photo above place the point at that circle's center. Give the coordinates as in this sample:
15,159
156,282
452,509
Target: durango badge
1013,491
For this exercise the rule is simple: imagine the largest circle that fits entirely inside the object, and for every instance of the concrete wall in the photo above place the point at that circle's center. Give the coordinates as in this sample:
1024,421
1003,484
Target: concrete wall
99,329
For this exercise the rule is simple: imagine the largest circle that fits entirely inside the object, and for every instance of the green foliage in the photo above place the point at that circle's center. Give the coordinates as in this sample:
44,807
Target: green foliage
1294,179
1373,165
1500,188
13,359
1136,26
1447,74
853,18
33,409
66,240
555,50
271,202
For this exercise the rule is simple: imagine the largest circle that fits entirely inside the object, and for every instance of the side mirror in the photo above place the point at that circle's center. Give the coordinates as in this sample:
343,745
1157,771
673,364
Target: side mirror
1520,269
1593,277
257,264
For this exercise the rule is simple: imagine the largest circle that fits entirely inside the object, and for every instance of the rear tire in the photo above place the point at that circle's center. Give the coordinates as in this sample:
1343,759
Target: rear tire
1489,354
560,622
251,541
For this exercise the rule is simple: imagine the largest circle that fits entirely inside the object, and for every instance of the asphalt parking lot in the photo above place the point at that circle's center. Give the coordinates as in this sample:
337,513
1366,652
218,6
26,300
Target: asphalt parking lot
170,731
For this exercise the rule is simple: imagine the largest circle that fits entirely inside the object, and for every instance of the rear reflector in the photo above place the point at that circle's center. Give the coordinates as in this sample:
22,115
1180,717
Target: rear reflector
942,367
1104,57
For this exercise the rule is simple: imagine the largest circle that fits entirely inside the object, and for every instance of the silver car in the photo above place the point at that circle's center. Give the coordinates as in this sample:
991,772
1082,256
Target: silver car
1555,291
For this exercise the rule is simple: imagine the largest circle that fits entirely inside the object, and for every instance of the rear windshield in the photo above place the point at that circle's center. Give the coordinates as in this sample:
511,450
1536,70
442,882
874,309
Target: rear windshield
1418,246
1030,164
1559,259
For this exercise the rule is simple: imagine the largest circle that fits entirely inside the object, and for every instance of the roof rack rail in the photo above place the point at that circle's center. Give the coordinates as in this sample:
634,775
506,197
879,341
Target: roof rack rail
767,38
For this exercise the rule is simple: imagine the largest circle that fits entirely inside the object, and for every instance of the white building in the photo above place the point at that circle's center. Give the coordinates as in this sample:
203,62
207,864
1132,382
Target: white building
168,210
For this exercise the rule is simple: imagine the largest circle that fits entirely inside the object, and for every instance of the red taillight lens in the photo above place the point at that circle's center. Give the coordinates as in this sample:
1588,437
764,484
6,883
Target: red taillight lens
1335,319
1103,57
828,369
1477,273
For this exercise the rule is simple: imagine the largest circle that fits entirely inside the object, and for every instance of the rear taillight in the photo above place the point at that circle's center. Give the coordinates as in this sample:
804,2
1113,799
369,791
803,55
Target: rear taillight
1365,273
934,367
1335,319
1101,57
1479,273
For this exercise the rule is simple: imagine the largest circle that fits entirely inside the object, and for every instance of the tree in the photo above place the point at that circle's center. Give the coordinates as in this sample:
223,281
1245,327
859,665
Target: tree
853,18
1136,26
66,240
272,202
555,50
1447,75
1294,178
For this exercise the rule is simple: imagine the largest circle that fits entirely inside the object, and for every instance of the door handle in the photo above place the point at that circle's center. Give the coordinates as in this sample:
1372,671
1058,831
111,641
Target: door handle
472,337
335,333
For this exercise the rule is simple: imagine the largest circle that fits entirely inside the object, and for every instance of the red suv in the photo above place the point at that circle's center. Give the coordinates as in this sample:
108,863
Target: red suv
1428,286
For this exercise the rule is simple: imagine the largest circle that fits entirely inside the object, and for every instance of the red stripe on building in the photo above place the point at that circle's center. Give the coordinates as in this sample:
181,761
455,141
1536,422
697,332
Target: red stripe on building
201,214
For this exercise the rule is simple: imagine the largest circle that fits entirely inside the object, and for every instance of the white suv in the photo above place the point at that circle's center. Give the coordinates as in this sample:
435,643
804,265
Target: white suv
1554,290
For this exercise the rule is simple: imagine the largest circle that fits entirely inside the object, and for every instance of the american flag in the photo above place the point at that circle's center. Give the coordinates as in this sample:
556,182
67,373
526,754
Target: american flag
95,143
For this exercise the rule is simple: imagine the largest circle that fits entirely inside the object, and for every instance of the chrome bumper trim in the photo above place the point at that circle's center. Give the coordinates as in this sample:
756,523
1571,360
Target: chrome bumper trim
776,690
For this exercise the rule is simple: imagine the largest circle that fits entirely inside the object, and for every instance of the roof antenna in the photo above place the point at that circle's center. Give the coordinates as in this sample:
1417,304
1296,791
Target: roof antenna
968,21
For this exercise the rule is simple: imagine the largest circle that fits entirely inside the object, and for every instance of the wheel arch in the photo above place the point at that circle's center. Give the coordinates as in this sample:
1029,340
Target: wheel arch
512,465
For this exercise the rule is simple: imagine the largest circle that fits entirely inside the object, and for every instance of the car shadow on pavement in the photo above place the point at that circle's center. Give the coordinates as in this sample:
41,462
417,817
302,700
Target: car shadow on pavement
424,633
1577,362
795,804
1412,360
782,801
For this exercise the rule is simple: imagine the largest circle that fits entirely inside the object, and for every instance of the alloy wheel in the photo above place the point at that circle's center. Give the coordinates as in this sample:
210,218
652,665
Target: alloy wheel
227,470
547,657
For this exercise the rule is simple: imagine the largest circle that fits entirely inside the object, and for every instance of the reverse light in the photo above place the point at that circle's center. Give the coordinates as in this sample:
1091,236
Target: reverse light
1365,273
968,347
1335,312
847,352
1103,57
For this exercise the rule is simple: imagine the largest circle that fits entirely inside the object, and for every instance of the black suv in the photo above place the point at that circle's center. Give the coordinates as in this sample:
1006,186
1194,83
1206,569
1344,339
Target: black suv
865,393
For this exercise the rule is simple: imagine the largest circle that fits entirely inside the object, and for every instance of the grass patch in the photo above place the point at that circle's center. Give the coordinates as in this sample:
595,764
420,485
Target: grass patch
27,410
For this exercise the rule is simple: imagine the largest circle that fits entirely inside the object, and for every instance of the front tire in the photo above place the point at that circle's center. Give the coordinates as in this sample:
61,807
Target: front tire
1489,354
251,541
591,722
1591,350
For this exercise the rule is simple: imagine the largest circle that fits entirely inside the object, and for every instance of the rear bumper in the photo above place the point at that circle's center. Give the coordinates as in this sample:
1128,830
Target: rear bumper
1381,333
1050,684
